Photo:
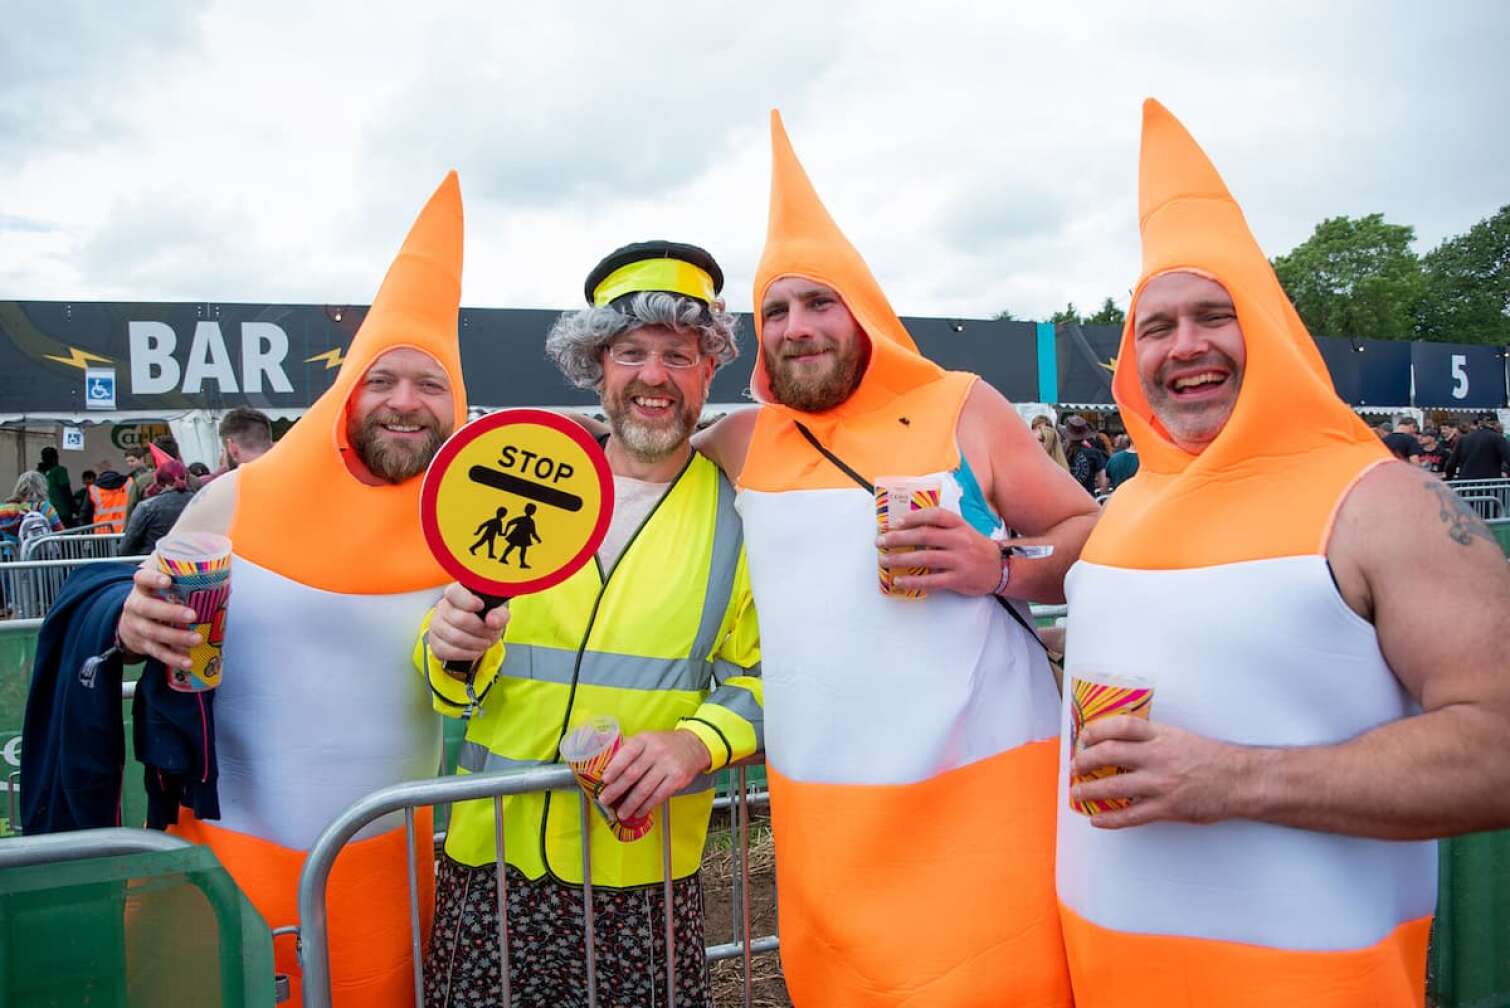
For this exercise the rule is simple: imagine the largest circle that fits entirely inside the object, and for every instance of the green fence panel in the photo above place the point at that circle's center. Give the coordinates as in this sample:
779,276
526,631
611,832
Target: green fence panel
161,928
1502,533
1470,955
18,651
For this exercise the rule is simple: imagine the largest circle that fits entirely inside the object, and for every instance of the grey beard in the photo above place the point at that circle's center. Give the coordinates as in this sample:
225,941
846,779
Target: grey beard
650,444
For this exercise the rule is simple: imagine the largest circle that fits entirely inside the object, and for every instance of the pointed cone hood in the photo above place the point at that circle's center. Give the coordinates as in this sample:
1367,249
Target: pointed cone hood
803,240
1289,433
1189,221
359,538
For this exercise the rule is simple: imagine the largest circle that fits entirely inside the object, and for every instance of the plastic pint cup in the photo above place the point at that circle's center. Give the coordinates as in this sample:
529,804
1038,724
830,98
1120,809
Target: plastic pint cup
896,496
199,564
588,749
1095,695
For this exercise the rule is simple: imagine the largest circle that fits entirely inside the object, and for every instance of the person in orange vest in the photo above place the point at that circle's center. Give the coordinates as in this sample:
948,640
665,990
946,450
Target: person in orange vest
107,502
1283,584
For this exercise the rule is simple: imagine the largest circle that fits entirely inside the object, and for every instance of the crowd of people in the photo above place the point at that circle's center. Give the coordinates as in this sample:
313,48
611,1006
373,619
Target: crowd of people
1456,449
140,501
1264,836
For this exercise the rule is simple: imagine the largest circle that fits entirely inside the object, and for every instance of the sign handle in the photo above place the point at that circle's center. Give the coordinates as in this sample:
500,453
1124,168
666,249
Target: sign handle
460,666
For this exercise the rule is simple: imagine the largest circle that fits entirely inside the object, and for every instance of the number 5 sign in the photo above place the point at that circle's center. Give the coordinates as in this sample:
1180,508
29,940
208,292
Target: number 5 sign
1457,376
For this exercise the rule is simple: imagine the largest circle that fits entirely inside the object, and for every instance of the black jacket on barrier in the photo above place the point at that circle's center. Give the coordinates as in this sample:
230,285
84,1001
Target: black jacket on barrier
73,748
73,744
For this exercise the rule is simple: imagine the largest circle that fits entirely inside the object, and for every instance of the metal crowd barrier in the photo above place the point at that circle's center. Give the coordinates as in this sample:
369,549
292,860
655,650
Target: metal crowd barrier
314,951
29,587
73,544
17,852
1478,492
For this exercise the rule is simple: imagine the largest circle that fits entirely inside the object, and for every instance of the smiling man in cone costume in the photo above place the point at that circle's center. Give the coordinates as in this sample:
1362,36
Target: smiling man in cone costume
1283,583
320,621
910,741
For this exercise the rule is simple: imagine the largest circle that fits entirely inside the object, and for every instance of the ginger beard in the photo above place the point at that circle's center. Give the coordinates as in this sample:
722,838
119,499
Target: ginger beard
396,446
650,437
813,375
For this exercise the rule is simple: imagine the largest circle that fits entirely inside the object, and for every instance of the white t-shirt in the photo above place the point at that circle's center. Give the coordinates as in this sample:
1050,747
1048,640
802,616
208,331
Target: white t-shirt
633,500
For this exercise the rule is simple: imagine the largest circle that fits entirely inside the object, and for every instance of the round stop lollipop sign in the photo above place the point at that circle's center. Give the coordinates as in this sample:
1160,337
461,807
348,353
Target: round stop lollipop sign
516,502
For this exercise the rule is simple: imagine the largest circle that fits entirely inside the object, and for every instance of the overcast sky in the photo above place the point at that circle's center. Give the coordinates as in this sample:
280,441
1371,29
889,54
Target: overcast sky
981,155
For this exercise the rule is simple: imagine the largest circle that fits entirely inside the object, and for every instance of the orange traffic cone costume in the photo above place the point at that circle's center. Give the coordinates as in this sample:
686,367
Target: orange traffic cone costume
319,705
910,742
1208,573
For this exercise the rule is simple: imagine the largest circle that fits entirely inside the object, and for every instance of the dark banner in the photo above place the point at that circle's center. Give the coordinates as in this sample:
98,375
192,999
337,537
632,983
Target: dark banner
1458,376
72,356
1368,372
1087,356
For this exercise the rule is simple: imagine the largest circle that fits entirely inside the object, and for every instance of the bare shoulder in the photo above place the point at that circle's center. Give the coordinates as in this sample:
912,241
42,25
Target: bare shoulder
212,507
1403,528
727,441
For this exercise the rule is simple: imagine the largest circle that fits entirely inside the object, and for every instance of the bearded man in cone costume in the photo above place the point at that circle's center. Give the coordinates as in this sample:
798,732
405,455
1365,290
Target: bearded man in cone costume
1283,583
910,741
319,624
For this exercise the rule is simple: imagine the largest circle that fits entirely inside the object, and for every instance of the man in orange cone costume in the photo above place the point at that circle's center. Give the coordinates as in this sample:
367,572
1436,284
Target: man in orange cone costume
1284,585
319,705
910,741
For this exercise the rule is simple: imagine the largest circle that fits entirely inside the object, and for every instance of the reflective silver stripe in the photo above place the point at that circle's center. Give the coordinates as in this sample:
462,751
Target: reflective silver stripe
728,537
475,758
555,665
739,701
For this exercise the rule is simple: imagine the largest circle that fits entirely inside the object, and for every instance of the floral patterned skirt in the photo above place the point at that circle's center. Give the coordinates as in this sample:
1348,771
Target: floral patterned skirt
547,966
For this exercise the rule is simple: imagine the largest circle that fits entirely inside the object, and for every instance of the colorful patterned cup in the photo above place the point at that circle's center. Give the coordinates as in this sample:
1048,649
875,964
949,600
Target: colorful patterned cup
896,496
200,565
1095,695
588,749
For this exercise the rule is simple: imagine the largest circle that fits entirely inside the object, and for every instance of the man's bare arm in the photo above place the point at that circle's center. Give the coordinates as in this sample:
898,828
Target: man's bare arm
1028,491
1031,493
1412,558
727,441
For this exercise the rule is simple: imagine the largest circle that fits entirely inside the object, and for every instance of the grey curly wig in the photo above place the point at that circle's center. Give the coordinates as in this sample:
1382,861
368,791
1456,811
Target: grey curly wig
576,341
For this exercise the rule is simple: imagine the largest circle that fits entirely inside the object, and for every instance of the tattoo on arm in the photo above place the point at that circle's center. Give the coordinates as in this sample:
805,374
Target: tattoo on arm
1463,524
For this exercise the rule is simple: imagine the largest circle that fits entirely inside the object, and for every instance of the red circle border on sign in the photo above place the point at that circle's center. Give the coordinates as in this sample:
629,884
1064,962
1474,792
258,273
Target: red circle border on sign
430,491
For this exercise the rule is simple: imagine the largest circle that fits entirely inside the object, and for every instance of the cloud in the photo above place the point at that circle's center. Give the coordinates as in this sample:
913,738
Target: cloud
63,64
980,157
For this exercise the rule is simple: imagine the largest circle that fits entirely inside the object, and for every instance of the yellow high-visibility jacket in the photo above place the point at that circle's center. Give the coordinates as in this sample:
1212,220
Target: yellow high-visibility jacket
668,640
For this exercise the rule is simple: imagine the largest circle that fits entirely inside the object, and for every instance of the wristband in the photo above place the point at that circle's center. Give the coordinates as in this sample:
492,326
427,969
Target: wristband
1006,571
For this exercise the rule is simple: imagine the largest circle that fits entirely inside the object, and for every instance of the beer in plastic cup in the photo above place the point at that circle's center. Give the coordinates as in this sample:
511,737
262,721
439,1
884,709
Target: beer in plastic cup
199,564
896,496
1095,695
588,749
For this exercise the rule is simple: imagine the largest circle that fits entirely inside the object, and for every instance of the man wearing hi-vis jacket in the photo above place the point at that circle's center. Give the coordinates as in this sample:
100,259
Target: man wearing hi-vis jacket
660,632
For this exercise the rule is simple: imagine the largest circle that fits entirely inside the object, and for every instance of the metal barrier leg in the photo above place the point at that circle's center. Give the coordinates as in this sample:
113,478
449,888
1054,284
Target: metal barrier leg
414,937
735,800
587,925
744,887
503,900
667,894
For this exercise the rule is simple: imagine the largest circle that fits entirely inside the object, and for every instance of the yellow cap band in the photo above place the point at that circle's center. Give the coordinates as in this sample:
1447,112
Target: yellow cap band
655,275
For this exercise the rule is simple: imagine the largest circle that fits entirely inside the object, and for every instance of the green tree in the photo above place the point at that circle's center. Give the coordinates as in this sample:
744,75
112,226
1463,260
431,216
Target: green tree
1467,285
1108,314
1066,314
1357,279
1005,315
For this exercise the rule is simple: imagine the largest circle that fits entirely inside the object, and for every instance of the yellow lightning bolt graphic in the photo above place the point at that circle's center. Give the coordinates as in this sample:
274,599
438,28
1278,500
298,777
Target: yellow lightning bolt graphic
332,358
78,358
1110,364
